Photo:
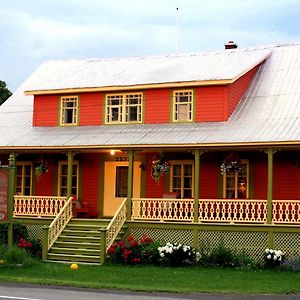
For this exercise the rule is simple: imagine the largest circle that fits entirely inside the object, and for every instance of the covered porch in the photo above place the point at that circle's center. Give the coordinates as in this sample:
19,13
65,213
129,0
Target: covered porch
180,213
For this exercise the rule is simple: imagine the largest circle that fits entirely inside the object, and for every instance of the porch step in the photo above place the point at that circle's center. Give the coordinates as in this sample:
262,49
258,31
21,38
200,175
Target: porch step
77,245
80,241
73,258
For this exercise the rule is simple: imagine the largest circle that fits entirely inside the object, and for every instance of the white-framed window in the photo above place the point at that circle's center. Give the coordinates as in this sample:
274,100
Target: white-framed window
124,108
236,184
182,178
24,178
63,175
183,106
68,110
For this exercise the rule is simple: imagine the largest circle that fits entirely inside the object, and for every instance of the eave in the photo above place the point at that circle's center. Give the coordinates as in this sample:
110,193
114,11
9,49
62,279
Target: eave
204,146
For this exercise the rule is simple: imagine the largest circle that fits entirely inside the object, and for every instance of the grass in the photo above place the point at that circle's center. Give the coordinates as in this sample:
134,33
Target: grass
151,278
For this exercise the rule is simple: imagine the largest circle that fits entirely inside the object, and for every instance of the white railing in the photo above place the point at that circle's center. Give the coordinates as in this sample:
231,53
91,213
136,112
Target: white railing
163,209
286,212
116,224
232,210
38,206
60,222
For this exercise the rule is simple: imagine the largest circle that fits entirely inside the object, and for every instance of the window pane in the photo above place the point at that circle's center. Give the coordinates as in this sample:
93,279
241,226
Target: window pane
187,182
242,188
176,182
188,170
121,181
187,193
182,112
176,170
132,113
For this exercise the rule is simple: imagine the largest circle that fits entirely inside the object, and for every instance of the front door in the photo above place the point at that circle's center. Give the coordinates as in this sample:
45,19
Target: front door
115,185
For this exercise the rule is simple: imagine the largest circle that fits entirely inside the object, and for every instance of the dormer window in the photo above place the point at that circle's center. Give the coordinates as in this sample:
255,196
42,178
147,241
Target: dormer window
124,108
183,106
69,110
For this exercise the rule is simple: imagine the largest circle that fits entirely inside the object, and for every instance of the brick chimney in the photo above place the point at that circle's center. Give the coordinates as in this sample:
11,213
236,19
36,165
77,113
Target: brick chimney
230,45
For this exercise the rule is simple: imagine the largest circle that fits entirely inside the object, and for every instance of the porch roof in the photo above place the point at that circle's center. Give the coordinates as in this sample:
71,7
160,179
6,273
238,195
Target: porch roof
269,112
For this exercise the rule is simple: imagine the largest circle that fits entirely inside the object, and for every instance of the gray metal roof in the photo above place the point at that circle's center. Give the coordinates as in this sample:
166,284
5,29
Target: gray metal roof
269,112
222,65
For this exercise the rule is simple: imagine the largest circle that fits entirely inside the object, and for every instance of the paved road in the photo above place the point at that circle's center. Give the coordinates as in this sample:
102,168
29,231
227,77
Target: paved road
12,291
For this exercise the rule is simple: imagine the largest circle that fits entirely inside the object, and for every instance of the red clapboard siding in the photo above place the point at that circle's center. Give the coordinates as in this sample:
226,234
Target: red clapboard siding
209,171
45,110
90,181
285,176
91,105
157,106
210,104
45,183
260,173
153,189
237,89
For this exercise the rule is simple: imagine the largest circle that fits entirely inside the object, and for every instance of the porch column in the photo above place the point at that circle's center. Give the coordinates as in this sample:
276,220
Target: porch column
197,154
11,192
70,155
270,153
129,183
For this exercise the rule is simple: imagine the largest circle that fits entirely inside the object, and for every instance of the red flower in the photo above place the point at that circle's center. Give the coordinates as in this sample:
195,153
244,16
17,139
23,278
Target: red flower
111,249
133,243
136,260
130,238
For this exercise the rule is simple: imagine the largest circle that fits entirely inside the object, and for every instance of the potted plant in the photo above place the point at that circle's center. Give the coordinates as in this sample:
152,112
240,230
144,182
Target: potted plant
231,164
159,168
40,167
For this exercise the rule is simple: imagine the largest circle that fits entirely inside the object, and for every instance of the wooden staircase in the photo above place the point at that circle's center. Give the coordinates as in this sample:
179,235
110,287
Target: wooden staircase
79,242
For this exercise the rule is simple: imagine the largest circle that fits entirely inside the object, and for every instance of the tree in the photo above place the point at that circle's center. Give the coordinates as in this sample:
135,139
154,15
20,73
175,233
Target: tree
5,93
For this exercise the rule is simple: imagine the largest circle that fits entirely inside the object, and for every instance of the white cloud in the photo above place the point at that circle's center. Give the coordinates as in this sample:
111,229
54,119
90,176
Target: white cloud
34,31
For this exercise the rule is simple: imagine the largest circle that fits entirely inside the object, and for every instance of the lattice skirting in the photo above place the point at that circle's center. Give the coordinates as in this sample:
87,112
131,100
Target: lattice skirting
288,243
35,231
252,244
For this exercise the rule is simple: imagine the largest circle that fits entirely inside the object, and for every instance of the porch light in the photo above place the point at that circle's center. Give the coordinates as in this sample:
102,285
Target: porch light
112,152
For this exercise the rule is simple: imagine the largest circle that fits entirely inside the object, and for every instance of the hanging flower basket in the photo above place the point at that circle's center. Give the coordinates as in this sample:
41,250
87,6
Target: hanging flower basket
231,164
159,168
40,167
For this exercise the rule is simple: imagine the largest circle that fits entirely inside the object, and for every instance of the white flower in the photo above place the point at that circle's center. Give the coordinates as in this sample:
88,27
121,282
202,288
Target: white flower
269,256
162,254
267,250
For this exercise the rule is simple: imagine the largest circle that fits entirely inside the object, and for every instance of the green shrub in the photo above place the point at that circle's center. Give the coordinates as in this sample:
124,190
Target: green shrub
292,264
21,238
16,256
225,257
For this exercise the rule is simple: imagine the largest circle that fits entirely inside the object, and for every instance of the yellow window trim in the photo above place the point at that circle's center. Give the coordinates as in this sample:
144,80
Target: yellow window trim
245,162
123,106
23,164
61,109
174,92
182,162
65,163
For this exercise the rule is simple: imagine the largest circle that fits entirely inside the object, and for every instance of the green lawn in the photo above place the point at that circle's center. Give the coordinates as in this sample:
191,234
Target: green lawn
150,278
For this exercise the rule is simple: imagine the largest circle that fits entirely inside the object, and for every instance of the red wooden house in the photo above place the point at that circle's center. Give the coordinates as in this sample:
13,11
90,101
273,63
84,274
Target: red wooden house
193,148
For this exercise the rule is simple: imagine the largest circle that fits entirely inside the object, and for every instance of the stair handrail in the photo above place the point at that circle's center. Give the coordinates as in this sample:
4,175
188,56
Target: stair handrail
60,222
116,223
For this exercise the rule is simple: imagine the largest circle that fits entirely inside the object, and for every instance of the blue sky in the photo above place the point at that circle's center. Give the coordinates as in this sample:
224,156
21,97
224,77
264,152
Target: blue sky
34,31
